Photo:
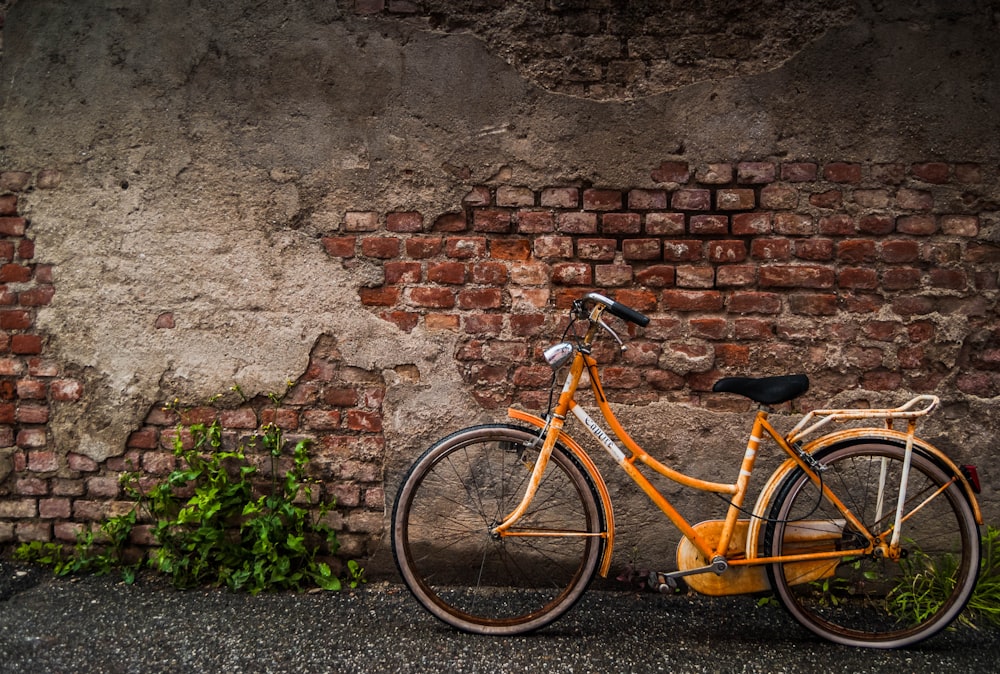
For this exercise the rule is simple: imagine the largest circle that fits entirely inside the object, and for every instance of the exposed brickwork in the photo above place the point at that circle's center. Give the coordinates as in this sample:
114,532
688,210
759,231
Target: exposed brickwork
753,266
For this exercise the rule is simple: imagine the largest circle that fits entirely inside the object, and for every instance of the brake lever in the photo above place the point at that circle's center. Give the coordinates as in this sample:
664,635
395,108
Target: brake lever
621,344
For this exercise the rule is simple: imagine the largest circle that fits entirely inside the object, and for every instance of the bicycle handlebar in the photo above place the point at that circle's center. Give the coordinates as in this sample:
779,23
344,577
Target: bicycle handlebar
620,310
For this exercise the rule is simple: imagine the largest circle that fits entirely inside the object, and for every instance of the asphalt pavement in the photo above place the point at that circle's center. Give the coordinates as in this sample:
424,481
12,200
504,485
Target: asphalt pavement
90,624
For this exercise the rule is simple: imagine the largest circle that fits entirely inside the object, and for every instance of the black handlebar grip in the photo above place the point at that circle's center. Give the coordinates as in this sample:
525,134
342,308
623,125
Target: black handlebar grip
628,314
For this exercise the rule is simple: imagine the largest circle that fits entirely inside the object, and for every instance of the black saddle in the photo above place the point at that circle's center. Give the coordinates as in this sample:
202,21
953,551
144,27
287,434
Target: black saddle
765,390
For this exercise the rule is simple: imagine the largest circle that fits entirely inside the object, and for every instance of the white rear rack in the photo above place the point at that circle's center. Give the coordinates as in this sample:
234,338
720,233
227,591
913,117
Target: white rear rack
917,407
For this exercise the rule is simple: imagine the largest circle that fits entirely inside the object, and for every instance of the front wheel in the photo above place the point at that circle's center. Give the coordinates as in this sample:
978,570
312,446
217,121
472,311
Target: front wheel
872,599
478,581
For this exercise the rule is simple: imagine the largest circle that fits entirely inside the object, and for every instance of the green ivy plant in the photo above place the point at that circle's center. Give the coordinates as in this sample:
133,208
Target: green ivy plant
213,525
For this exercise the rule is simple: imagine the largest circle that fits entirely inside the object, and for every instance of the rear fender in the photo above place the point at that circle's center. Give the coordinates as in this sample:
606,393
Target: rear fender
588,465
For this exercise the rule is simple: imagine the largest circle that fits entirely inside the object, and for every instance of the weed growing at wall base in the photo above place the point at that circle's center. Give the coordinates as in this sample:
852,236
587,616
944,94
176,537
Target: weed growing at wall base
219,519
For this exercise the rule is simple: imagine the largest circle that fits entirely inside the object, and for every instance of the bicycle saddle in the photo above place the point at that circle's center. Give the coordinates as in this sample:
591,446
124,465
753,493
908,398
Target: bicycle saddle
765,390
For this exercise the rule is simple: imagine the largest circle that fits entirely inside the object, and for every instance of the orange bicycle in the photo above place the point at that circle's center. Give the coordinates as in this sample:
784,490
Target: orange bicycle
499,529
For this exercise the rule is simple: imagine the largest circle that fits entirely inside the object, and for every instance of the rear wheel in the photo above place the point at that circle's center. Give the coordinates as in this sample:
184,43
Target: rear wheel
865,599
463,573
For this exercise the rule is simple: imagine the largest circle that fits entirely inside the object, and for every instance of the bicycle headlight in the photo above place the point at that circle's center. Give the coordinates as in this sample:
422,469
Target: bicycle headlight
557,355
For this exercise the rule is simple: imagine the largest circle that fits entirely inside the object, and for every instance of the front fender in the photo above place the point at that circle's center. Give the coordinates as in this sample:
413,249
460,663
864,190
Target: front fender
852,436
598,480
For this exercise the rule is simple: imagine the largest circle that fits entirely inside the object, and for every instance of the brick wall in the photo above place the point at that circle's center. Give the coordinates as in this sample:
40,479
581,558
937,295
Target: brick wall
863,275
873,276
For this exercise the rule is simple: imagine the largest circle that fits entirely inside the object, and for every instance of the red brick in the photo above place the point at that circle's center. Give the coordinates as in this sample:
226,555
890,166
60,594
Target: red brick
857,278
529,274
692,300
816,250
16,319
836,225
492,221
6,251
450,222
527,325
735,200
672,172
771,249
66,390
321,420
8,204
715,329
339,246
727,251
402,272
379,297
899,250
754,303
560,197
952,279
535,222
465,248
931,172
31,389
779,196
380,247
510,249
453,273
514,196
871,198
478,196
682,251
13,226
361,221
489,273
449,322
960,225
621,223
665,224
751,224
691,276
691,200
918,225
483,325
711,225
813,304
753,329
404,221
577,223
40,461
572,273
640,300
842,172
901,279
657,276
611,275
549,247
755,172
856,250
736,275
596,249
601,199
914,200
54,508
715,174
794,224
14,273
438,298
798,172
26,345
36,297
647,200
485,298
876,224
32,414
26,249
796,276
827,199
641,249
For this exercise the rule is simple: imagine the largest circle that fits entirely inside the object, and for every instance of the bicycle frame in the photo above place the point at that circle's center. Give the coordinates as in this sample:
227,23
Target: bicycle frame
552,429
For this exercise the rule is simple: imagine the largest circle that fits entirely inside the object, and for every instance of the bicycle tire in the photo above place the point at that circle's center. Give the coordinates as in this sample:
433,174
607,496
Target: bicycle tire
450,500
866,601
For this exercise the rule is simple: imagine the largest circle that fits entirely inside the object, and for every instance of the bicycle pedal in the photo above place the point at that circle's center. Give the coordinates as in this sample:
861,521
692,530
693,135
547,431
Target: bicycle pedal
666,584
